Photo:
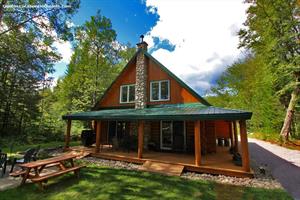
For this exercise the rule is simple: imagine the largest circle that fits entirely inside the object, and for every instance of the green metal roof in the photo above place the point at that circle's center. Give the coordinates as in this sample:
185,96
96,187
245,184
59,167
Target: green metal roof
192,111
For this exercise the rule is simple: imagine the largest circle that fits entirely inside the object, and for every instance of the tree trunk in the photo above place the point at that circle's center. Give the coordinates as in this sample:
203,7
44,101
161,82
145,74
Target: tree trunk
3,2
286,128
96,77
7,107
20,124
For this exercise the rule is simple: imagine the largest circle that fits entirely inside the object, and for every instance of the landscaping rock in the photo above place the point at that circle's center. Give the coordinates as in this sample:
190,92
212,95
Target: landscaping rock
112,163
249,182
262,178
260,181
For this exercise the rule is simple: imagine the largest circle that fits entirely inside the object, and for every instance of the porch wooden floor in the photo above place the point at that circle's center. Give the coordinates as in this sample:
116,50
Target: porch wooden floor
218,163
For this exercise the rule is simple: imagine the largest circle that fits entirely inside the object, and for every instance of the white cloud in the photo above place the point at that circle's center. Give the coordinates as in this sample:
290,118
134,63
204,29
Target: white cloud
204,32
64,48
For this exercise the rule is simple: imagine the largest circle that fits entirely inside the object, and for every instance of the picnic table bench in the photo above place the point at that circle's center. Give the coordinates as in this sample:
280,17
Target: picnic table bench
37,176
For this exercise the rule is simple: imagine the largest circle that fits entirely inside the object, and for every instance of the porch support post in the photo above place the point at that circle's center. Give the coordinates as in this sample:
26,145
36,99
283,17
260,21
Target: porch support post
231,134
141,125
197,143
67,135
98,136
236,140
244,146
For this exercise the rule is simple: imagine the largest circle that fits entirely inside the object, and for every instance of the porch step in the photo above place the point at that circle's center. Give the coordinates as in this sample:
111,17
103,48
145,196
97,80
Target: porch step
162,168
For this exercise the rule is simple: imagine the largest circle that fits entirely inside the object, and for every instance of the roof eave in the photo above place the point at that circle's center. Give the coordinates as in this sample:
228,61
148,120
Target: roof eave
227,116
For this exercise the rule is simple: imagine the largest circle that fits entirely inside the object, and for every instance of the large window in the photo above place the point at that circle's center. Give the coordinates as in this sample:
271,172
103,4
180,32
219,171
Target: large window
160,90
127,93
166,135
172,135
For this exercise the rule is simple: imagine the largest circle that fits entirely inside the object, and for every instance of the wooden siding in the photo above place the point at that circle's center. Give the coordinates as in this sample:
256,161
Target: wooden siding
222,129
178,94
155,133
112,96
210,137
104,132
208,134
190,145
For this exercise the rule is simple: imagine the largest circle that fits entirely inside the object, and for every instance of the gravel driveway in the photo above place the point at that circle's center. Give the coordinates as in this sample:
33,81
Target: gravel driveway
284,163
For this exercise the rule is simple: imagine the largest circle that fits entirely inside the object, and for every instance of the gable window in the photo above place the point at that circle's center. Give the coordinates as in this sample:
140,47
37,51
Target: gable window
127,93
160,90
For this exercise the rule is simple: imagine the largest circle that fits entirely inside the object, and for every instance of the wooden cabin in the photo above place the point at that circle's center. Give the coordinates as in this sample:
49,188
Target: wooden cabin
159,118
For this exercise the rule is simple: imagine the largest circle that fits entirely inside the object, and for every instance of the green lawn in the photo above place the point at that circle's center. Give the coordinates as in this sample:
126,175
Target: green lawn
107,183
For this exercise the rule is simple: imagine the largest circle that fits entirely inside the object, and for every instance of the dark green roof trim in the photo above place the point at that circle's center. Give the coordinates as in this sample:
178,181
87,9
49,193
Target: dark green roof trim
115,107
183,84
196,111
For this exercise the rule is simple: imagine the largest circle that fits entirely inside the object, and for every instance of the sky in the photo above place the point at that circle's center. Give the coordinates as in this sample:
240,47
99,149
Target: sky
195,39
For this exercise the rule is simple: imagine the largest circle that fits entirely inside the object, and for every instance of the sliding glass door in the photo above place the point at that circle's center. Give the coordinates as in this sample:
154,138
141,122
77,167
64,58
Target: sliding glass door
166,135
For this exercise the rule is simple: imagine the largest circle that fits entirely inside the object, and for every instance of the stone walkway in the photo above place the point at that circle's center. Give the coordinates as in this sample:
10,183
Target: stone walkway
283,163
9,182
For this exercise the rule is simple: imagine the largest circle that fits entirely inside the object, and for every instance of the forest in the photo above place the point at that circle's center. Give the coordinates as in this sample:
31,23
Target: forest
265,80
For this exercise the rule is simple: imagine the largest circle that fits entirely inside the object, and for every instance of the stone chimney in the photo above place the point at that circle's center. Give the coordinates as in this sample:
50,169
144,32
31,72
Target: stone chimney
141,76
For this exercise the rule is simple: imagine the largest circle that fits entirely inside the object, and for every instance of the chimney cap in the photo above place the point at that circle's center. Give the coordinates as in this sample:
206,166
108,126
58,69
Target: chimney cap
141,38
142,44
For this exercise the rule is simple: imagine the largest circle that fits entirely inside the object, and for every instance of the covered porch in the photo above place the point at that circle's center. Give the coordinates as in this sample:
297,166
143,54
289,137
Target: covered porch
219,162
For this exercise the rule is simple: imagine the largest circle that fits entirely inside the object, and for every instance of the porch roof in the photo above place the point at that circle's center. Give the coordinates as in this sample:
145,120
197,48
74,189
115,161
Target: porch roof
192,111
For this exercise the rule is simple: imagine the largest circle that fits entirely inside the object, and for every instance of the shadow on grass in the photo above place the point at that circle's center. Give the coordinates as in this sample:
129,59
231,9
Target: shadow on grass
106,183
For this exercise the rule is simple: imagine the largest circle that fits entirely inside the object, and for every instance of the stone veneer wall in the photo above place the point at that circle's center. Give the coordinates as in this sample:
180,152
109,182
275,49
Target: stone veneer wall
141,87
141,78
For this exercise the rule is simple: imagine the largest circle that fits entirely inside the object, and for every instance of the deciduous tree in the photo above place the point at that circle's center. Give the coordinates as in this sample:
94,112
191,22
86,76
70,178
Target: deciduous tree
273,32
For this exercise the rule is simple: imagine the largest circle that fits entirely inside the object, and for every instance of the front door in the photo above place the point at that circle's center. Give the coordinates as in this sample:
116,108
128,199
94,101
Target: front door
166,135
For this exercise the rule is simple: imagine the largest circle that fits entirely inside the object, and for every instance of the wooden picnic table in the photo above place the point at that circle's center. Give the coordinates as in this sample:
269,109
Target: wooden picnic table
38,166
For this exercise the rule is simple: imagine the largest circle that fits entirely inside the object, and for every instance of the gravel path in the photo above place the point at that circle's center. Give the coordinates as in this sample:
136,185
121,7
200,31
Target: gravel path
293,156
283,163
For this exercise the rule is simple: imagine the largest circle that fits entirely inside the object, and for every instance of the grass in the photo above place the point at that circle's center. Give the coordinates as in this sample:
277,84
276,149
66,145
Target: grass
266,136
276,139
106,183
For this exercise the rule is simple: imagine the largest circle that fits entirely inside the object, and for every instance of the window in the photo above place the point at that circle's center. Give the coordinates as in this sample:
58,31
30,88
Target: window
160,90
127,93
